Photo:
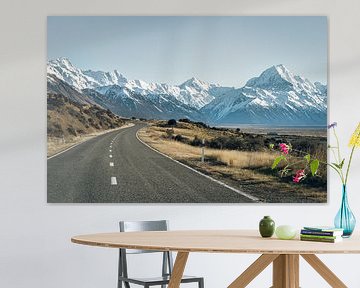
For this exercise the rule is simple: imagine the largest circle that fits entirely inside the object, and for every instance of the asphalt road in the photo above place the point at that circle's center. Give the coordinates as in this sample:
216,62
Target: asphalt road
84,174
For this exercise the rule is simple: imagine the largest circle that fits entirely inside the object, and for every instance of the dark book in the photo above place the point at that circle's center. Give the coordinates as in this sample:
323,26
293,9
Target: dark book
321,233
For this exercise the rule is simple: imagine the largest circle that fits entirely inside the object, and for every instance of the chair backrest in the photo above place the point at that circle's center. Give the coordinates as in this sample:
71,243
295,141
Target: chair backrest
137,226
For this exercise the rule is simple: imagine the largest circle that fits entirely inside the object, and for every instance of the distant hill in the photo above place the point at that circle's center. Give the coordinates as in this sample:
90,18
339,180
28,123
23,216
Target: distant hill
68,118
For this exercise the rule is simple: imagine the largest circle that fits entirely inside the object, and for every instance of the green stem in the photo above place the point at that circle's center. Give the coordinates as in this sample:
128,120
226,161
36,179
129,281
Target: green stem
348,167
292,164
328,164
337,171
338,145
339,154
333,152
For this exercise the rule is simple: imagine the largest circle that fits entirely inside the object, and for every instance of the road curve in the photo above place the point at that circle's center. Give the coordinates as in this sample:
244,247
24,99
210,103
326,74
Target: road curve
117,168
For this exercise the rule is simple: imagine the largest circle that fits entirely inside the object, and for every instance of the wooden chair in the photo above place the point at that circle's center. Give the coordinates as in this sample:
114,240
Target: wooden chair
167,263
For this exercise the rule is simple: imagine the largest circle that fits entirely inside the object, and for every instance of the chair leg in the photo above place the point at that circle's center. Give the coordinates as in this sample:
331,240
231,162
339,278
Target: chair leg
201,283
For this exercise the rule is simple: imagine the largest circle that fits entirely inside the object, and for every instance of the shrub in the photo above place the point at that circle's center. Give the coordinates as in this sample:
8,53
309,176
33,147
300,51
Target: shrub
71,131
196,141
185,120
171,122
201,125
179,138
169,133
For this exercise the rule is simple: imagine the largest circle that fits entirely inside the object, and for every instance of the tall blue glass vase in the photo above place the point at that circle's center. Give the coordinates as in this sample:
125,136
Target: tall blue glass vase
345,219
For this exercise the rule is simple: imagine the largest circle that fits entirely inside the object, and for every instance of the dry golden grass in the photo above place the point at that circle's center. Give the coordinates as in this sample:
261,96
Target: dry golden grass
243,159
191,131
56,145
235,168
181,151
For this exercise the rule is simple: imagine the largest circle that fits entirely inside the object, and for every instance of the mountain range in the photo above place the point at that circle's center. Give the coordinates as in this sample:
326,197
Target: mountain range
275,97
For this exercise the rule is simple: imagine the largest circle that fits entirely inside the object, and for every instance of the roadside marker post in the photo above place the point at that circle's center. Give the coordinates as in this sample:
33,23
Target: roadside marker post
203,151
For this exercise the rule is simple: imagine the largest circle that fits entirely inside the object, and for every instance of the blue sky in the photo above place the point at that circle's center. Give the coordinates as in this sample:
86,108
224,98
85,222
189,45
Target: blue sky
224,50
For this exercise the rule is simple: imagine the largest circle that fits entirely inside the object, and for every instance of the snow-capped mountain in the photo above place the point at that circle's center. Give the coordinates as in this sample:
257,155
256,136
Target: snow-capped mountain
277,96
57,86
125,102
64,70
194,92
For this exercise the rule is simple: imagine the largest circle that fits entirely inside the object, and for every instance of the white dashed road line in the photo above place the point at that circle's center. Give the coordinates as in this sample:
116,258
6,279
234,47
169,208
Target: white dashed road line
110,156
111,164
113,181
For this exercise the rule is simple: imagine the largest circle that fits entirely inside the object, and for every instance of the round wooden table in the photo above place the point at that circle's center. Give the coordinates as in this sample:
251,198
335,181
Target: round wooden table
284,254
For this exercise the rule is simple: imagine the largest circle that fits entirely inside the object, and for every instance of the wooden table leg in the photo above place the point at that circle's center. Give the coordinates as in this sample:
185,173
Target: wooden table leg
253,270
178,269
324,271
286,271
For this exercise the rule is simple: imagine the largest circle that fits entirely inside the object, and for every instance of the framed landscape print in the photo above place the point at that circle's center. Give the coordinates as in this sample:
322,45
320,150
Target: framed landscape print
186,109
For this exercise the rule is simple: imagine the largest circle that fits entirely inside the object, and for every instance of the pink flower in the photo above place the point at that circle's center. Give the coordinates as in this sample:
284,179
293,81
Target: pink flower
284,148
300,175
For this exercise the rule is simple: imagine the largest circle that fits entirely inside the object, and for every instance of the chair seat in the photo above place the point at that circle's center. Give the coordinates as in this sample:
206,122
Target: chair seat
158,280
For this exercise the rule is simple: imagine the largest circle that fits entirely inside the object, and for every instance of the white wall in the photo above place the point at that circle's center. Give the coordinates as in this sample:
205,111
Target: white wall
35,248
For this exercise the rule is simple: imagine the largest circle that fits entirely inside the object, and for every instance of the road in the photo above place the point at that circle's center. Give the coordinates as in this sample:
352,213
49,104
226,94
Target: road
117,168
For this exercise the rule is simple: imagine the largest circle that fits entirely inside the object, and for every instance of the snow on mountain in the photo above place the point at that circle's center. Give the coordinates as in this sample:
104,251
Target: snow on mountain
57,86
126,102
193,92
321,87
64,70
277,96
105,78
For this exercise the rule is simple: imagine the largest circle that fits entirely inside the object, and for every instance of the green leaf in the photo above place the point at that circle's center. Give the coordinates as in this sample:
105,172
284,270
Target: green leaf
285,171
307,157
336,165
277,161
314,165
339,166
342,163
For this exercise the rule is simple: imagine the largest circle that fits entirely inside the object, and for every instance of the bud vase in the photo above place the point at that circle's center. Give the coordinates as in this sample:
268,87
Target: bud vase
345,219
267,227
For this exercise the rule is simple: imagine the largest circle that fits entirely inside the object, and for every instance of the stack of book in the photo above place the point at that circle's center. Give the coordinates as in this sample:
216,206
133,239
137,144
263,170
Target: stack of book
321,234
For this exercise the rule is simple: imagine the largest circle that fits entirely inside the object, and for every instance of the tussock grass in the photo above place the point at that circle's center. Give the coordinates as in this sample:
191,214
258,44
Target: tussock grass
231,158
243,159
56,145
247,170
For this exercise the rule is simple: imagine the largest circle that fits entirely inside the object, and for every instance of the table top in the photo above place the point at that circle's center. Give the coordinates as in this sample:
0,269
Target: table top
216,241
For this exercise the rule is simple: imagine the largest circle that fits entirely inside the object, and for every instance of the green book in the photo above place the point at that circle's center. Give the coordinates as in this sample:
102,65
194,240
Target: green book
325,240
319,236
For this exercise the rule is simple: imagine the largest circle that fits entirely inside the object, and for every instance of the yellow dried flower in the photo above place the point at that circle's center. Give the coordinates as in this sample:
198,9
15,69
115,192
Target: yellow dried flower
355,138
